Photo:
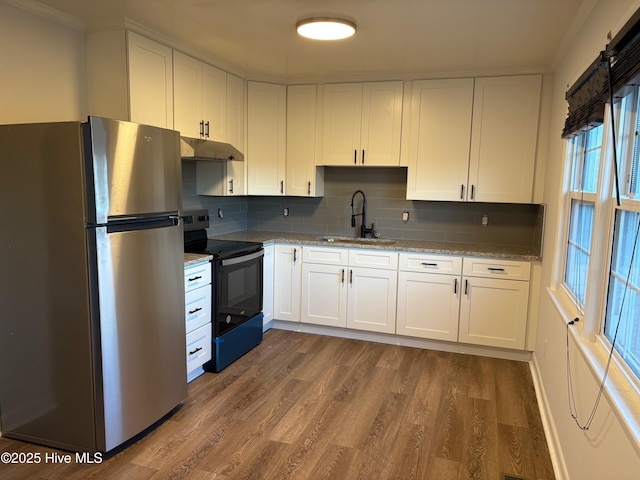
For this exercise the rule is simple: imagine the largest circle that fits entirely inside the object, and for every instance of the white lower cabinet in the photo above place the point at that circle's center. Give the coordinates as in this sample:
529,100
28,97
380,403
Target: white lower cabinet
494,303
197,281
341,289
286,290
429,296
479,301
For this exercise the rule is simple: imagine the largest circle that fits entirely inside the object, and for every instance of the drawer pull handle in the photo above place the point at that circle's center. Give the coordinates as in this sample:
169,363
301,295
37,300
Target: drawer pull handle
191,312
466,287
429,264
351,277
295,255
342,277
498,270
195,351
193,279
455,286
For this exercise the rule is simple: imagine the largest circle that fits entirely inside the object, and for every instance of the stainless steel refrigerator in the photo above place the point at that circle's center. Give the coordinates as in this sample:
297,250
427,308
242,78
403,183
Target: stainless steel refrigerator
92,331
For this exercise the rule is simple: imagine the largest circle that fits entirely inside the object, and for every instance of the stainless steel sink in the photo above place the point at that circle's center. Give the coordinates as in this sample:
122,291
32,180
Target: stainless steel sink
357,240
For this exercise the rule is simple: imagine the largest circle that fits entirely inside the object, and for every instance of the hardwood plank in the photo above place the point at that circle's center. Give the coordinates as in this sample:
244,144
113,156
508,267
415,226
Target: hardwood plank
302,406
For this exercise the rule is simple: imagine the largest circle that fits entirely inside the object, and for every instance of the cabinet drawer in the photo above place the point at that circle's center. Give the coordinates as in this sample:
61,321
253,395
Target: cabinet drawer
197,310
325,255
490,268
427,263
198,347
373,259
196,276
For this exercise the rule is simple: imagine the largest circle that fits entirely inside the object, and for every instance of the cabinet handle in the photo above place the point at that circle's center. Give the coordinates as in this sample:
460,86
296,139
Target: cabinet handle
195,351
466,287
461,192
202,128
495,270
231,186
429,264
363,156
295,255
191,312
342,276
206,131
308,188
455,286
350,277
355,157
193,279
282,186
473,192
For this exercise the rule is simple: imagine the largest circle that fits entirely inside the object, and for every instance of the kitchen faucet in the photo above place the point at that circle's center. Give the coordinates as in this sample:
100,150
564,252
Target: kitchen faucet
364,231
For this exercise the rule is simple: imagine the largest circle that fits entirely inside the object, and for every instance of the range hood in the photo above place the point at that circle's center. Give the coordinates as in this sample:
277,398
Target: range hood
198,149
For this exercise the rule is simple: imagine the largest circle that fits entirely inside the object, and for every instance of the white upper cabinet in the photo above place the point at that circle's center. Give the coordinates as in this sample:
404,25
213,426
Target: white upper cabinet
362,124
266,138
504,137
200,99
303,178
129,77
440,131
474,140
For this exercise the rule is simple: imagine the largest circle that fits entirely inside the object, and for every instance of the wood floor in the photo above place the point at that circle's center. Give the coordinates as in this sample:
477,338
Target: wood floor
304,406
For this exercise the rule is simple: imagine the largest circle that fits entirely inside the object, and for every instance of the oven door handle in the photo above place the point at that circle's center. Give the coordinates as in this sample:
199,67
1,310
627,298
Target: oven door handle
243,258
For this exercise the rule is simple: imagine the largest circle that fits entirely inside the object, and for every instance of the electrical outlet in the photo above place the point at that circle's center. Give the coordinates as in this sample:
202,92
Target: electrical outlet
485,220
405,216
285,212
220,214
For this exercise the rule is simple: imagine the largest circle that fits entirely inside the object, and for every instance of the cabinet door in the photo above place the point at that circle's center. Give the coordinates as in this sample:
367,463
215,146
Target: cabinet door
266,134
287,274
428,305
372,299
235,115
494,312
267,283
441,112
150,81
187,95
324,294
214,103
503,139
381,123
342,118
301,140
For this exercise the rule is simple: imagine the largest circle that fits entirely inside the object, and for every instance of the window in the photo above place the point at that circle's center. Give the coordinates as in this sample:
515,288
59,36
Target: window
622,320
622,317
585,150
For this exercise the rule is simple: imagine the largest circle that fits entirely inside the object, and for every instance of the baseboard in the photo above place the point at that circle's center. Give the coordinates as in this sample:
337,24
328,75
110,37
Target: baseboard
550,432
393,339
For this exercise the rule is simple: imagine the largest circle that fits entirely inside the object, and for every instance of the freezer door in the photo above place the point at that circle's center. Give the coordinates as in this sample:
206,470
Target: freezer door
132,169
139,307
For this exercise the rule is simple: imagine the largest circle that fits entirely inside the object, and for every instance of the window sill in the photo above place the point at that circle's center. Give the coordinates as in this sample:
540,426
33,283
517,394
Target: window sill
620,390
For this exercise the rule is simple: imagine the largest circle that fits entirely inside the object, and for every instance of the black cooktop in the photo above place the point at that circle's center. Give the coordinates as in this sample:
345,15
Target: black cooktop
195,238
222,248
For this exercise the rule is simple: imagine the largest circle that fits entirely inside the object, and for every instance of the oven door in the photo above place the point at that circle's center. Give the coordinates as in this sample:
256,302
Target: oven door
238,290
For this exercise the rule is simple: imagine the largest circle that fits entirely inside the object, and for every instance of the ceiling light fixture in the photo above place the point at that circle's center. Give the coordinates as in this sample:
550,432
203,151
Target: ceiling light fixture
326,28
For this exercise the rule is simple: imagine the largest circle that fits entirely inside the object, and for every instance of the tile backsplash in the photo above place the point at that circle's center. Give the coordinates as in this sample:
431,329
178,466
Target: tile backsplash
385,190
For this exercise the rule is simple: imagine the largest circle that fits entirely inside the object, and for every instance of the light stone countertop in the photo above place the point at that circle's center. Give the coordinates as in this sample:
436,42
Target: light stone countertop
195,258
446,248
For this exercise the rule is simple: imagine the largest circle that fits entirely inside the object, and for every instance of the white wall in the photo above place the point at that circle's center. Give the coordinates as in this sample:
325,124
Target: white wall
42,69
605,451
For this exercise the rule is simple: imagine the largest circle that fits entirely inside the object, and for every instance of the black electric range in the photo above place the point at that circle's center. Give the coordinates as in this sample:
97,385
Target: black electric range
237,273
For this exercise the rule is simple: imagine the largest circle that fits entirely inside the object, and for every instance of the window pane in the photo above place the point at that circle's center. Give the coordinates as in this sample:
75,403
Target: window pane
579,248
623,297
586,160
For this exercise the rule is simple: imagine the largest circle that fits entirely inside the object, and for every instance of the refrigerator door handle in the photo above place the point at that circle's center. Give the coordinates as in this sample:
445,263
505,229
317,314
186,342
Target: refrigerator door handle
127,225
